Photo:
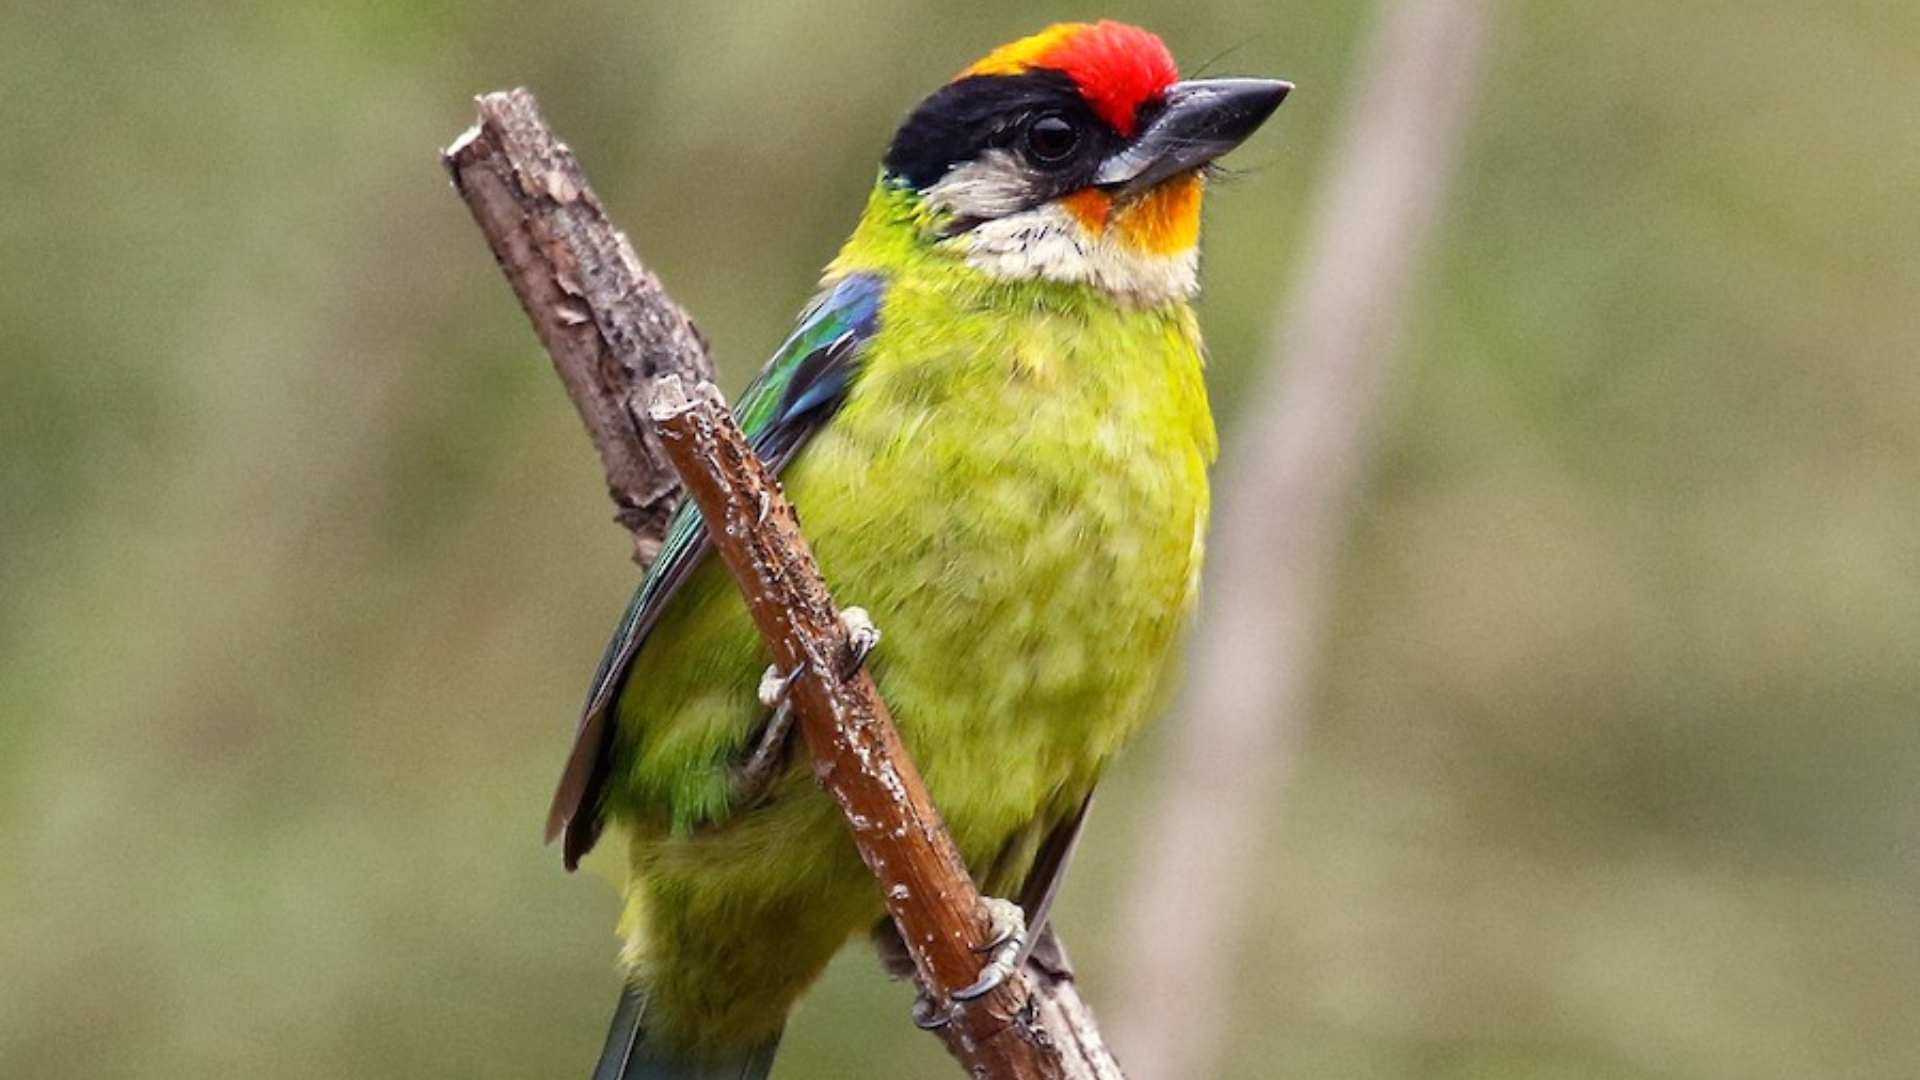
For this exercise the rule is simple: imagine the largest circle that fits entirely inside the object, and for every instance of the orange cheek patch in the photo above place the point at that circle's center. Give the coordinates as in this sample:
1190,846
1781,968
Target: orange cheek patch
1090,208
1166,221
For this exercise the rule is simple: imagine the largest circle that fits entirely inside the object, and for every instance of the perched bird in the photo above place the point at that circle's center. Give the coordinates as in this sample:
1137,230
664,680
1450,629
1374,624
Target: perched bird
993,422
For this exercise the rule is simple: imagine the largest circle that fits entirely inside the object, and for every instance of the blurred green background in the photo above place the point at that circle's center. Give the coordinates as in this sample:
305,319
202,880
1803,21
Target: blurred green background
1614,768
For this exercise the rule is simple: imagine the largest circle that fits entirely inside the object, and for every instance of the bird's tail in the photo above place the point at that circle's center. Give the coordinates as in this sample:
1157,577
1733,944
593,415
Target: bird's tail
629,1054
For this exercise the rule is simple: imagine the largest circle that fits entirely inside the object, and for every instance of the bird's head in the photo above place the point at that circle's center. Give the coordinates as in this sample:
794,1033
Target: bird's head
1076,155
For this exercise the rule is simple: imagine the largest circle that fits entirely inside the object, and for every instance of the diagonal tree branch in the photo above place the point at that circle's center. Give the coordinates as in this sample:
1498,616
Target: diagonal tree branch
609,326
856,749
606,321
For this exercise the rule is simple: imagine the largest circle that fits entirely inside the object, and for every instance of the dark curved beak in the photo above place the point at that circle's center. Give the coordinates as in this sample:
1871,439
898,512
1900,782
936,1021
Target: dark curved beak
1198,121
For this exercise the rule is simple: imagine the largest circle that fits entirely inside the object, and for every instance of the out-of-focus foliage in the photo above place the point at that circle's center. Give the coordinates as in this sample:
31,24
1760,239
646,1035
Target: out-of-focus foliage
306,561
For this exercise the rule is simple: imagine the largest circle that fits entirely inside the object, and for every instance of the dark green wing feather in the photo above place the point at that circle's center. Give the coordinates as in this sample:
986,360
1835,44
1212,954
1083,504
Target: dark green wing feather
793,397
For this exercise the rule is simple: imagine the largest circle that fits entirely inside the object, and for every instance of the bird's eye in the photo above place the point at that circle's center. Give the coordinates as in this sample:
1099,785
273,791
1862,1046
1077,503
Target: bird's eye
1051,140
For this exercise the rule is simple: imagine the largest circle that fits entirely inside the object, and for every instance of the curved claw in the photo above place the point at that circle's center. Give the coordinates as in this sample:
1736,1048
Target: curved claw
862,636
1007,945
775,686
926,1017
996,972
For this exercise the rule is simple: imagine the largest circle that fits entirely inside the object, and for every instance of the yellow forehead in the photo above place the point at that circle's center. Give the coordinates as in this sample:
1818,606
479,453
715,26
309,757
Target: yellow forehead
1023,55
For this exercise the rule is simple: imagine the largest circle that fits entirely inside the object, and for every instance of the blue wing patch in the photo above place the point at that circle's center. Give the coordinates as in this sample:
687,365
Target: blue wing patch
793,396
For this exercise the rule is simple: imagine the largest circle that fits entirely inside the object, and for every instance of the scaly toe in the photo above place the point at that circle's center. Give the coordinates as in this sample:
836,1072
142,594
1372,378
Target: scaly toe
1006,944
776,685
862,636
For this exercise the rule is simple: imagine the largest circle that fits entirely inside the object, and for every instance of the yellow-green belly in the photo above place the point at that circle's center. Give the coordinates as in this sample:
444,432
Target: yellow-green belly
1019,504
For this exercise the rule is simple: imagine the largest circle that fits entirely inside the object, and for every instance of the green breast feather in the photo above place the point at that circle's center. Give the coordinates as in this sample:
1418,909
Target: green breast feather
1019,502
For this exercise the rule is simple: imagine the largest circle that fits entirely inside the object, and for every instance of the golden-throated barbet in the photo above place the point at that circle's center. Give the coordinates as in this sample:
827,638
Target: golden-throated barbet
993,422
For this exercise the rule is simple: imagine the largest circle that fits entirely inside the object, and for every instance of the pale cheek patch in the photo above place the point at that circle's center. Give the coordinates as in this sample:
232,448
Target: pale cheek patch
992,187
1054,242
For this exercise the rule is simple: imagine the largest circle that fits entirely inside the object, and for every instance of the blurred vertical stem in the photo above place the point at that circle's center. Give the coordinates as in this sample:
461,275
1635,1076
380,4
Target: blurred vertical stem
1286,495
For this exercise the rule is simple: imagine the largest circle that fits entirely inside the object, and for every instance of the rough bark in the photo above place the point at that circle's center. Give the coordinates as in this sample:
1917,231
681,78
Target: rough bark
856,749
605,320
610,329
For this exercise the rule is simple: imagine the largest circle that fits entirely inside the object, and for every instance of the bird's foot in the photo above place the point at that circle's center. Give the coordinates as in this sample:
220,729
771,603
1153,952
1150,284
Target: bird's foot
1005,947
768,759
776,685
928,1016
1006,942
754,777
862,637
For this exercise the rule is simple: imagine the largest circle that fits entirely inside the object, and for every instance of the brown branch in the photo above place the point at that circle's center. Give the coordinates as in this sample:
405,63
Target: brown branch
856,749
1064,1017
606,321
609,327
1286,495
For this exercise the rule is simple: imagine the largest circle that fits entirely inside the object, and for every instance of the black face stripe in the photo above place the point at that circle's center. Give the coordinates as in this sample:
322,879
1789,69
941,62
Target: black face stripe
970,116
